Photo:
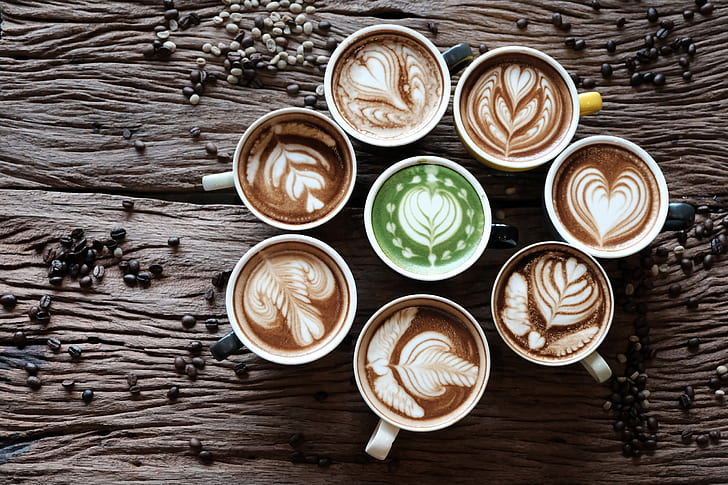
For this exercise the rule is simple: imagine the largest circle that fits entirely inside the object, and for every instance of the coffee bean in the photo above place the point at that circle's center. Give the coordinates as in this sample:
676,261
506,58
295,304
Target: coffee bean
686,435
75,351
173,242
140,146
195,347
674,290
693,343
700,231
708,261
219,279
702,440
173,393
134,266
188,321
627,451
652,14
606,70
224,157
33,382
714,383
31,368
522,23
87,395
556,19
198,362
580,45
56,280
482,48
98,272
331,44
205,456
659,79
130,279
8,301
54,344
311,459
685,401
195,444
309,100
662,33
135,389
118,234
665,50
611,46
33,312
686,265
635,79
715,435
241,369
570,42
156,269
144,279
85,282
179,363
211,148
708,225
621,22
195,132
693,303
688,14
191,371
292,89
187,91
324,462
19,339
77,233
649,41
687,75
209,294
111,244
596,5
588,83
212,324
706,9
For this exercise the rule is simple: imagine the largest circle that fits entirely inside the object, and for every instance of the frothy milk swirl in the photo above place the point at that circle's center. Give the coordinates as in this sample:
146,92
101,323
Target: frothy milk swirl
387,86
515,111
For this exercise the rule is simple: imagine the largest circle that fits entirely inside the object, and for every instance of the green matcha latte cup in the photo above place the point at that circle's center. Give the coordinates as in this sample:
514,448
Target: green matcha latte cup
429,219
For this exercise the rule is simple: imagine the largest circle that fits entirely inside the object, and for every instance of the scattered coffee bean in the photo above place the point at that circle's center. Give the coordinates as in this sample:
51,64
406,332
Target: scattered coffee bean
690,391
33,382
706,9
31,368
180,363
173,241
126,133
685,401
98,272
686,265
135,389
652,14
195,444
649,41
188,321
700,231
292,89
708,261
56,280
694,343
241,369
54,344
580,45
693,303
195,132
33,312
556,19
87,395
715,435
621,22
702,440
209,294
721,369
156,269
588,83
19,339
139,145
596,5
688,14
8,301
482,48
75,351
212,324
191,371
674,290
522,23
134,266
224,157
606,70
144,279
130,279
211,148
195,347
68,384
570,42
85,282
714,383
118,234
309,100
635,79
198,362
324,462
206,455
708,225
173,393
331,44
687,75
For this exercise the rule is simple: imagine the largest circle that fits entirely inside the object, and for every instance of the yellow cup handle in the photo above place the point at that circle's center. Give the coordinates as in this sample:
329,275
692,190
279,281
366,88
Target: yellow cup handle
589,103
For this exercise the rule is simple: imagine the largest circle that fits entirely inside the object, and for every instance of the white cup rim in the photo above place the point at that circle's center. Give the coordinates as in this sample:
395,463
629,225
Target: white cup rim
428,160
318,353
594,344
254,210
418,297
664,198
468,141
372,140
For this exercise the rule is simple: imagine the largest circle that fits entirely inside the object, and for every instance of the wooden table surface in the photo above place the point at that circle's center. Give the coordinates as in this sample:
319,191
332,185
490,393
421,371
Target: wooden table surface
72,79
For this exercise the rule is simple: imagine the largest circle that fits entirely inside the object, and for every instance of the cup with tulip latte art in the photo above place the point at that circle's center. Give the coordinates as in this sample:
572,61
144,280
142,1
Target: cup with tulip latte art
429,219
388,85
421,363
293,168
553,305
608,197
516,108
291,299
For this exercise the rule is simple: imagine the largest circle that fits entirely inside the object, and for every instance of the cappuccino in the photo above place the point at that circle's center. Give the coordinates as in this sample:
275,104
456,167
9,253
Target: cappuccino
552,303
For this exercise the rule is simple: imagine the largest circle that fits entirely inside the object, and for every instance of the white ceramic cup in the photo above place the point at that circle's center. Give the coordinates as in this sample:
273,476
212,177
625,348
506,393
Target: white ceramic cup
237,338
581,104
449,61
387,429
594,363
669,215
441,206
232,179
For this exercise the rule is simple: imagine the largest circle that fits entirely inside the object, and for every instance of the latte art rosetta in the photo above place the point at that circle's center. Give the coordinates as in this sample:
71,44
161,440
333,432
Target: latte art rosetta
516,111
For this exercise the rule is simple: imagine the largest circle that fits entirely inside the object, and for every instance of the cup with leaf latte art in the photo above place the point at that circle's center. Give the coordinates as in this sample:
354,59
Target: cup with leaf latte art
428,218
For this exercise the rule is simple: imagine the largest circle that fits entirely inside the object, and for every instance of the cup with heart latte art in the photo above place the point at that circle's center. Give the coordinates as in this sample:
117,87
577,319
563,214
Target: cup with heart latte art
553,305
608,197
293,168
388,85
429,219
516,108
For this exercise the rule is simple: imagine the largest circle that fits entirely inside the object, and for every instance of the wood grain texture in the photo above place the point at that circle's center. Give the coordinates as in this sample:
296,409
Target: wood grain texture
72,78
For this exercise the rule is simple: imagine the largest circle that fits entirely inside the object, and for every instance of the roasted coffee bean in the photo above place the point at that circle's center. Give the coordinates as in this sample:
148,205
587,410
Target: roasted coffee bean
54,344
665,50
75,351
694,343
652,14
31,368
118,234
195,444
77,233
708,261
144,279
611,46
324,462
211,148
85,282
191,371
205,456
687,75
606,70
702,440
84,270
688,14
556,19
135,389
708,225
619,426
87,395
179,363
693,303
194,347
482,48
90,256
139,145
19,339
131,379
209,294
716,247
635,79
588,83
667,24
195,132
130,279
596,5
580,45
66,241
715,435
45,302
198,362
212,324
188,321
8,301
575,77
685,401
522,23
111,244
134,266
662,33
652,423
700,231
674,290
224,157
621,22
156,269
187,91
68,384
241,369
33,312
659,79
649,40
706,9
173,241
714,383
686,265
33,382
173,393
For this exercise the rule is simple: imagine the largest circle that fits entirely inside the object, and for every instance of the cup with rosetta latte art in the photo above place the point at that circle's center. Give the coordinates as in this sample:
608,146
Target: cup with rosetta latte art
429,219
421,363
516,108
291,299
293,168
388,85
608,196
553,305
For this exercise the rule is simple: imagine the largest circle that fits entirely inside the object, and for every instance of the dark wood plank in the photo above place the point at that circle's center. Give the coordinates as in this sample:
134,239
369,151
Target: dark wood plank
534,424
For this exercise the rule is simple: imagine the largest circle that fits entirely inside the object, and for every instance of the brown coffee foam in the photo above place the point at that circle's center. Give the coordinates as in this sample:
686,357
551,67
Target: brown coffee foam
279,340
475,126
600,318
302,139
389,111
611,161
466,345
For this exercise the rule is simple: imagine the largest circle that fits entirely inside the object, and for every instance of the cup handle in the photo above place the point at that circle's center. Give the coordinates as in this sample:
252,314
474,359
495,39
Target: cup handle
503,236
218,181
597,367
679,216
457,57
225,346
381,440
589,103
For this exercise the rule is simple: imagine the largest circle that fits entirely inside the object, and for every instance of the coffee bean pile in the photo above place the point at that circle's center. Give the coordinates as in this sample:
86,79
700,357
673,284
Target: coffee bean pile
190,366
204,455
161,47
296,441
